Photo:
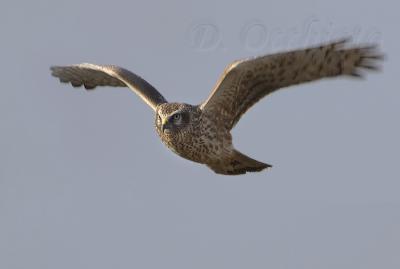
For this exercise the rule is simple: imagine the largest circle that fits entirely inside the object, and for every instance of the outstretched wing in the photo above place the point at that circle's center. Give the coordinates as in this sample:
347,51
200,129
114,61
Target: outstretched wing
91,76
243,83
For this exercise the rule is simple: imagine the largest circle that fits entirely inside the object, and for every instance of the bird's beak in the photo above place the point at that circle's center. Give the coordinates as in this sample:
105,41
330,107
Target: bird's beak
166,127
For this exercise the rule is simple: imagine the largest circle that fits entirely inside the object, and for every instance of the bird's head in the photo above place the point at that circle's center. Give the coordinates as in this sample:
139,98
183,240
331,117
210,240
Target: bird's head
173,118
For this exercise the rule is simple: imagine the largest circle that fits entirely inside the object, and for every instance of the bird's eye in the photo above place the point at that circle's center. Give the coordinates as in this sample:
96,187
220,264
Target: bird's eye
177,116
158,119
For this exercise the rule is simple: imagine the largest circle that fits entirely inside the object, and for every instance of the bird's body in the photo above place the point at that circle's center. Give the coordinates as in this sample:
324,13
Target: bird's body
201,133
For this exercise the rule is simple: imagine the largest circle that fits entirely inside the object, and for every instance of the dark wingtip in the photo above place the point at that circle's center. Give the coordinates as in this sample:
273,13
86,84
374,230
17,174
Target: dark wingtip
75,85
266,166
89,87
53,70
55,73
357,74
342,41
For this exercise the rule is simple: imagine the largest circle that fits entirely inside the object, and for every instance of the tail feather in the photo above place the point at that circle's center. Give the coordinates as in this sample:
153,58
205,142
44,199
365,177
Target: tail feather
238,164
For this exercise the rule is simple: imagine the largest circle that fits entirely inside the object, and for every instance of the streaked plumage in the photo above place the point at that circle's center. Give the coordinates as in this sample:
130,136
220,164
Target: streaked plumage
201,133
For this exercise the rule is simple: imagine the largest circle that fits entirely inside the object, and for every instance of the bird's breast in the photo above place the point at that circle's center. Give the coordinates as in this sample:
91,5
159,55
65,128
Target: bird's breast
204,144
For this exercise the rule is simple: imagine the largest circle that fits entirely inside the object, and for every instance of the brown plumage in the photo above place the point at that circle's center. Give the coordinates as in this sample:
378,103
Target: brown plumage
201,133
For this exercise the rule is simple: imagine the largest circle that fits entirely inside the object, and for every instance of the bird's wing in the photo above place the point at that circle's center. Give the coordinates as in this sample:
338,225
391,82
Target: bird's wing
243,83
91,76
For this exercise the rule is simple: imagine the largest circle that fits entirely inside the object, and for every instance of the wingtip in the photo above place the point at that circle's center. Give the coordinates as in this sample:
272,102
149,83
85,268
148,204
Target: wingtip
342,41
54,67
357,74
54,70
267,167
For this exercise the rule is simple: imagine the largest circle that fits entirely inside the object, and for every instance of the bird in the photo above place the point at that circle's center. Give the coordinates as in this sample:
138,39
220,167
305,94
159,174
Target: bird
202,132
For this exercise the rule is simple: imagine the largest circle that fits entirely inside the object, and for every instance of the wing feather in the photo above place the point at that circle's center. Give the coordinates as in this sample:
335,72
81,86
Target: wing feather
91,76
243,83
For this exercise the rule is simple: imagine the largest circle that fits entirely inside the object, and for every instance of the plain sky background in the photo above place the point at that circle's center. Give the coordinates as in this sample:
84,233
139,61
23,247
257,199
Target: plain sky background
86,183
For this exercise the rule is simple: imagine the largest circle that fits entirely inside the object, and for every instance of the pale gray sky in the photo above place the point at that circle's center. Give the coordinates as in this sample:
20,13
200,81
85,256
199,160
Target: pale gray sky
86,183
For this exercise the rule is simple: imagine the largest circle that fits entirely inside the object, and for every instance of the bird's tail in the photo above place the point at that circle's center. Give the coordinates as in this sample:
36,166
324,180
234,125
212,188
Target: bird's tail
238,164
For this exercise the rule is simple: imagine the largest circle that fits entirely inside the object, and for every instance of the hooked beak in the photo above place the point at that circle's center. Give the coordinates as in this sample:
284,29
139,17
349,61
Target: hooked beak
166,127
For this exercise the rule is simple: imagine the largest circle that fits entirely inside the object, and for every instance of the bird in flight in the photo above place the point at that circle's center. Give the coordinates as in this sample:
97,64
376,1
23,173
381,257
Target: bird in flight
201,133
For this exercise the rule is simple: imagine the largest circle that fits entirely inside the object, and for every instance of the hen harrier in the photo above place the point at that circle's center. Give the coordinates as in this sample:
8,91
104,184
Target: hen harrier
201,133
